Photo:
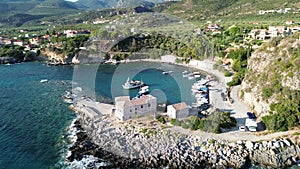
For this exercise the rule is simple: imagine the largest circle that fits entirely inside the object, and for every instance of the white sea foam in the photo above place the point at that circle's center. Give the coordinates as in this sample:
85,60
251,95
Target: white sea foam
87,161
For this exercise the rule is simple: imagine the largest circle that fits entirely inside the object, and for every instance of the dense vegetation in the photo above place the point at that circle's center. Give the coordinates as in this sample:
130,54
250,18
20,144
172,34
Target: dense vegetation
239,65
212,123
287,111
16,52
69,46
137,42
278,82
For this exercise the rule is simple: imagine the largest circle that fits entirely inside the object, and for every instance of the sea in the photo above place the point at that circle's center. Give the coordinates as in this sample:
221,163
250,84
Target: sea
34,118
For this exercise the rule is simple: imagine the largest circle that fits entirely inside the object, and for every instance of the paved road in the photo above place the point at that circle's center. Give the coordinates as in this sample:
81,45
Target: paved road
239,108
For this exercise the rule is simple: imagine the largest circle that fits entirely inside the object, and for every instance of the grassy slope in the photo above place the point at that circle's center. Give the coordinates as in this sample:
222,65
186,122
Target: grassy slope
234,11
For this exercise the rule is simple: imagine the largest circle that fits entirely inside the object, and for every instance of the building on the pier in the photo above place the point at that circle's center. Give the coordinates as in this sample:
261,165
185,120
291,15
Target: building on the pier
127,109
178,110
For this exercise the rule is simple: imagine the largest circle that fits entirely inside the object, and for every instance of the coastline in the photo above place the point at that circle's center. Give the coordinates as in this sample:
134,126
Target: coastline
175,147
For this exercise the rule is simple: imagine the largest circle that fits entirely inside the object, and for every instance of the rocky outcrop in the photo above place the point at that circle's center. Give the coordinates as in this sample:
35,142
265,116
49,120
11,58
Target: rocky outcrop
56,58
272,67
154,147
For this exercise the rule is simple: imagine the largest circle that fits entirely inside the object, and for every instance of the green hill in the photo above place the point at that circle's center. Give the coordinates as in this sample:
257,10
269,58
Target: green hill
53,7
234,11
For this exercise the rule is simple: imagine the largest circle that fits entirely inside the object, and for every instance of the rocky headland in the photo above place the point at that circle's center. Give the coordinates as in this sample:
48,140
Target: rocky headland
149,144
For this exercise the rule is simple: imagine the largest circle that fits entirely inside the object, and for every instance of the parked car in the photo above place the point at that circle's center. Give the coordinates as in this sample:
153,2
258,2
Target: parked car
252,128
251,115
242,128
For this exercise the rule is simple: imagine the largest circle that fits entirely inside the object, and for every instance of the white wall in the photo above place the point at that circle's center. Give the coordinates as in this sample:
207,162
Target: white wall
171,112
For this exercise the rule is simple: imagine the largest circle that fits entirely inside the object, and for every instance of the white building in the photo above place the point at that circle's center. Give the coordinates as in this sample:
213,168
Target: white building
178,110
128,109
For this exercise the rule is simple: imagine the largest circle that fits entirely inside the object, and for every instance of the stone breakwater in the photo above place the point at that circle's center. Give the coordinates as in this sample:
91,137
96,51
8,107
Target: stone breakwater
152,146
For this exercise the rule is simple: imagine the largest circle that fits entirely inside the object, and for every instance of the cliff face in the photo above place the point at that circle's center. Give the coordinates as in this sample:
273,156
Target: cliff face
273,76
55,57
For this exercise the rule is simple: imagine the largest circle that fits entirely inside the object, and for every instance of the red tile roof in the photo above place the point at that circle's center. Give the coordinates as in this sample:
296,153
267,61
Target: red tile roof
180,106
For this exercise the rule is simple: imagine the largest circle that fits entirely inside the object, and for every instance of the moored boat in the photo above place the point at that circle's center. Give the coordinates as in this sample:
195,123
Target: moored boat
132,84
144,90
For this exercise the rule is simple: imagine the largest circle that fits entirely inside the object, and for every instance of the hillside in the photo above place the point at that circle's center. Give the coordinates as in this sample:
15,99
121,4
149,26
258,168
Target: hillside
235,11
53,7
272,84
98,4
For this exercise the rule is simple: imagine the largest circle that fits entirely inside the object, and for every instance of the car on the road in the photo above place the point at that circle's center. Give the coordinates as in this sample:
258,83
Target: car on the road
251,115
242,128
252,129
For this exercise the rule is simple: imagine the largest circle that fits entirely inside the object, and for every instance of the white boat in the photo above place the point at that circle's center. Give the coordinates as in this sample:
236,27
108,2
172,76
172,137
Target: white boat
69,100
191,76
144,90
196,74
132,84
167,72
185,73
44,80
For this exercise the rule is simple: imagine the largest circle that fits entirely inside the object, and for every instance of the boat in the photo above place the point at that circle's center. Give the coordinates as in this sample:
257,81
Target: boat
144,90
196,74
44,80
132,84
191,76
167,72
185,73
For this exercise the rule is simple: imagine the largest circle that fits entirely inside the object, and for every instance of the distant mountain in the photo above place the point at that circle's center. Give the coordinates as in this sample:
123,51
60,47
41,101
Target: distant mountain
98,4
52,7
17,12
35,7
95,4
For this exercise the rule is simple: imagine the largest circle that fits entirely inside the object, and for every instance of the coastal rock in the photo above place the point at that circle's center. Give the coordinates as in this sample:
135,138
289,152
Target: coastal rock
136,149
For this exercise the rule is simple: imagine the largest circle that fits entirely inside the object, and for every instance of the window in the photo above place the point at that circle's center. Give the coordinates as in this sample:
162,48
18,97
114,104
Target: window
130,110
149,105
141,106
135,108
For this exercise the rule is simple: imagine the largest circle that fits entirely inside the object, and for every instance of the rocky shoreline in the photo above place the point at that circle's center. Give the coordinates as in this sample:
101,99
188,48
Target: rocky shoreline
130,144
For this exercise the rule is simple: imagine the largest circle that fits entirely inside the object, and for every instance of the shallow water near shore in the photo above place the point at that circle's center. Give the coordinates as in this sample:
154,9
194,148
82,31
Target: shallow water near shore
34,116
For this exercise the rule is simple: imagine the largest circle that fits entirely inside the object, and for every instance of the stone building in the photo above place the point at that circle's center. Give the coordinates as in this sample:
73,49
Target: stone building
178,110
128,109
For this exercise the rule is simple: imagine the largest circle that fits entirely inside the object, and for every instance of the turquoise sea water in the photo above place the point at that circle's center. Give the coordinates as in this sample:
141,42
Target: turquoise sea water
34,116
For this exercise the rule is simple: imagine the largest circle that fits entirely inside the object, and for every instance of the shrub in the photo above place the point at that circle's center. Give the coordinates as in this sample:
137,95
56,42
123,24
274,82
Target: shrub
227,74
161,119
175,122
217,120
267,92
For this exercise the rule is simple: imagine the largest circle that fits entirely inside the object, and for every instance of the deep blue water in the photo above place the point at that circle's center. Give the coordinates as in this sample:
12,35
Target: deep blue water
34,116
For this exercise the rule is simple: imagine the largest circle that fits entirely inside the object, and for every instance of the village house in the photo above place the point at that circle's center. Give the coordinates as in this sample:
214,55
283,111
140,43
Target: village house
18,42
100,21
290,22
127,109
74,33
178,110
213,27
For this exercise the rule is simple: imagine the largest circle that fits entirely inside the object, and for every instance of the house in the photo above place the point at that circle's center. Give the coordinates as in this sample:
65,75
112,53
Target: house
178,110
74,33
100,21
290,22
213,27
18,42
128,109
